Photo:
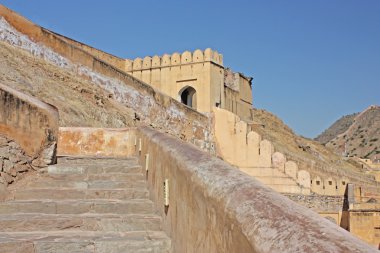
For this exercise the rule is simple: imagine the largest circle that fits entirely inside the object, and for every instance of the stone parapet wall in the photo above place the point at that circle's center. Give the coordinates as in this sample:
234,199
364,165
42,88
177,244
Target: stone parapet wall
109,58
175,59
31,123
82,141
241,147
212,207
319,203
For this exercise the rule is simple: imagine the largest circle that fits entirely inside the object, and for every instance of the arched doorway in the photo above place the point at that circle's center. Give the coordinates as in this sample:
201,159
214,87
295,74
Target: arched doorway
188,96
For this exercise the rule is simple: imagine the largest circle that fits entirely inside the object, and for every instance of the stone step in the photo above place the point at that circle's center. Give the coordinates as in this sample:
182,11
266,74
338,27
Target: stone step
287,188
84,242
276,180
96,160
46,183
95,222
92,169
264,172
137,206
123,194
93,177
99,162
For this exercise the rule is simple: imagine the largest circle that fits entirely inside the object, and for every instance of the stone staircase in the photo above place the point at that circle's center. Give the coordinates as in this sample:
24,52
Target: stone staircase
82,205
276,179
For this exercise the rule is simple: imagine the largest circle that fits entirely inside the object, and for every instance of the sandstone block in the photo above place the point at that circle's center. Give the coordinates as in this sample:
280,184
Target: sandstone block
14,158
3,183
13,145
9,179
278,161
21,167
7,165
4,151
13,172
3,141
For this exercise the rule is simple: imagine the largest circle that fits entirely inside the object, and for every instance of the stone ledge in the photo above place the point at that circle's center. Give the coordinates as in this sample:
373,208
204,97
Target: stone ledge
229,210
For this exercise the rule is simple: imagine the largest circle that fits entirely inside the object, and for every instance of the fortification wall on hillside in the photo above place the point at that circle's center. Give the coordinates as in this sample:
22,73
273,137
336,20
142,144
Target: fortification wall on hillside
106,57
172,74
175,59
201,70
244,148
153,107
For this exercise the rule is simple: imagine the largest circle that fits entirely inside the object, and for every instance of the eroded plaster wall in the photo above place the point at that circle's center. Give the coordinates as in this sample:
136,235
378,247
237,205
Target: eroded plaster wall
115,142
29,122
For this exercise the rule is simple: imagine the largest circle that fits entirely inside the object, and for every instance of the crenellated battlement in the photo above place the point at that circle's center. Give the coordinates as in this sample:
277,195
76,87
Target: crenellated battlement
174,59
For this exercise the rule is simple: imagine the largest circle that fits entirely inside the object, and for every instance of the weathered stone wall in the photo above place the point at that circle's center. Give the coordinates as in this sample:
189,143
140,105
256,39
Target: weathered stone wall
30,123
75,141
319,203
216,208
154,108
244,148
13,162
364,214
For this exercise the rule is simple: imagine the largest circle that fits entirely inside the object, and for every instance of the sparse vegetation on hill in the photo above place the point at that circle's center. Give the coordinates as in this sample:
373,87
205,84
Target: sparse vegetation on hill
309,154
361,138
340,126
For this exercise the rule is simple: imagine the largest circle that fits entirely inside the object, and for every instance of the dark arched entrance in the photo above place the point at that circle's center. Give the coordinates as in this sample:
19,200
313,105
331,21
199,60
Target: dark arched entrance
188,96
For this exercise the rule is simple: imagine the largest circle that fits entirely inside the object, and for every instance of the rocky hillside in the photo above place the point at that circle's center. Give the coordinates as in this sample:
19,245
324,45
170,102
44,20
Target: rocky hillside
340,126
309,154
355,135
80,102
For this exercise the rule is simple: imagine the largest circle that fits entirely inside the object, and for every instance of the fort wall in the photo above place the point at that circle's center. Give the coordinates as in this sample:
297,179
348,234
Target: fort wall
154,108
201,70
246,149
171,74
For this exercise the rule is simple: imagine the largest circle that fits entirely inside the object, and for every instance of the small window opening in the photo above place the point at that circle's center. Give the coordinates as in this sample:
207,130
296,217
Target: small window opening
189,97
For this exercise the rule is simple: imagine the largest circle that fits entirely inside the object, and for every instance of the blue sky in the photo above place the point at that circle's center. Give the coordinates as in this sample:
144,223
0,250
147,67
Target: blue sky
312,61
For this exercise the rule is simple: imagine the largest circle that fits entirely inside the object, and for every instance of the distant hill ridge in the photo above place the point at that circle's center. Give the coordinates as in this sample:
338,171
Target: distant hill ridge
355,135
340,126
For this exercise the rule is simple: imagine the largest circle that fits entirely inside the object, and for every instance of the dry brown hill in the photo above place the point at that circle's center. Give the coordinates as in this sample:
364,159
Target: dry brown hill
309,154
339,126
361,138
